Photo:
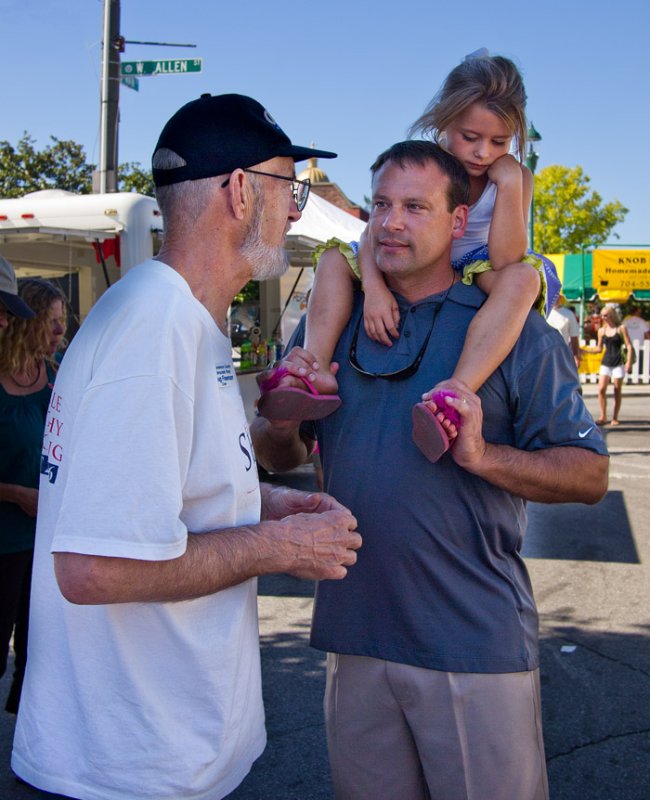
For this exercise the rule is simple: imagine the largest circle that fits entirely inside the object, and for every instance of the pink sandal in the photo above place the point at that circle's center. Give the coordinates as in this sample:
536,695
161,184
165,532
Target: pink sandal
428,433
290,403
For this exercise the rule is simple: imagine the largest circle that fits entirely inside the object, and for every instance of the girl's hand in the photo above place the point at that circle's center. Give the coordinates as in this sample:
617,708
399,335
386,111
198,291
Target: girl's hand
380,311
505,170
380,314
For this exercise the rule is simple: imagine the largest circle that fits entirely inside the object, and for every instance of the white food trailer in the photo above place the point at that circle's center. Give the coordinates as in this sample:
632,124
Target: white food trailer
86,242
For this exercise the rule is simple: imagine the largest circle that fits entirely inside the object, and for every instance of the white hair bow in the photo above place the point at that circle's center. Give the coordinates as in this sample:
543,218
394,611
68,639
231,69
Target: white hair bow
482,52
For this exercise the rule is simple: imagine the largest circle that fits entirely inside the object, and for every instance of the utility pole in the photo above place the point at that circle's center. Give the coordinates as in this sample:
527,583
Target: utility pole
112,45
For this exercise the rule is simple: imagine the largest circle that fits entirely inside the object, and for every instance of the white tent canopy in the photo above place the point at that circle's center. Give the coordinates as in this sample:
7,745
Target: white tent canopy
320,221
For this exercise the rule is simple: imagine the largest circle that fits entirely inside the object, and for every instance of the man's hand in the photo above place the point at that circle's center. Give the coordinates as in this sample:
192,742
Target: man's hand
27,499
314,546
469,445
281,501
23,496
302,363
315,531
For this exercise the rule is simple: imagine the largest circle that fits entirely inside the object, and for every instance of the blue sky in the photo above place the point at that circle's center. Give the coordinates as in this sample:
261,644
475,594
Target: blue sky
348,75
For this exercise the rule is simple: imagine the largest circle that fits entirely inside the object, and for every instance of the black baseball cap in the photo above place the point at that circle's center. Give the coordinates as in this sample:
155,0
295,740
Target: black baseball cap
217,134
9,292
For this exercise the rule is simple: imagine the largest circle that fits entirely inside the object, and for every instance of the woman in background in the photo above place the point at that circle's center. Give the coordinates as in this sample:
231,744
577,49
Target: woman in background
27,370
612,337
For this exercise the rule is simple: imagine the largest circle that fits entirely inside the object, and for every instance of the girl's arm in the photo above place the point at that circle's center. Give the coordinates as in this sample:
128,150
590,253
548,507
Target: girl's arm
599,346
508,237
380,310
630,351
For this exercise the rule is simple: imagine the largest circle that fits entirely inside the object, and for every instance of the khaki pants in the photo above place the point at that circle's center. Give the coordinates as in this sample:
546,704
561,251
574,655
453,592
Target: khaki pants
397,732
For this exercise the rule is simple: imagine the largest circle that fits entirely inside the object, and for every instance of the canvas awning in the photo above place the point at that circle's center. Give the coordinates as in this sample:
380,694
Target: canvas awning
612,276
319,222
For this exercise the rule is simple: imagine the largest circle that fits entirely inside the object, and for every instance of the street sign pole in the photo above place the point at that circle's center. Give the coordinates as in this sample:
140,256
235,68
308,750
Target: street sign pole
114,73
110,98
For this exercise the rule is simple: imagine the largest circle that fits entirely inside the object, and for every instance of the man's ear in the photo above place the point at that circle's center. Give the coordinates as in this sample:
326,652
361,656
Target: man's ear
238,195
459,221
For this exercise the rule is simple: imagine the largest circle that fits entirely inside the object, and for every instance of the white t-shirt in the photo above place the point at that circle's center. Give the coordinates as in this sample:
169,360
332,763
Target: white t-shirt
636,327
146,438
564,320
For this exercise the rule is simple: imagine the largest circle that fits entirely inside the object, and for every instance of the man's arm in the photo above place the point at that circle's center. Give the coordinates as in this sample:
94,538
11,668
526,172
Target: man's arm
551,475
22,496
279,446
317,543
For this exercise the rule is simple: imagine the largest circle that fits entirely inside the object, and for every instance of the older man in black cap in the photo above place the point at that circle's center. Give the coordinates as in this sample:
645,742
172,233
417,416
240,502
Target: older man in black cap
143,678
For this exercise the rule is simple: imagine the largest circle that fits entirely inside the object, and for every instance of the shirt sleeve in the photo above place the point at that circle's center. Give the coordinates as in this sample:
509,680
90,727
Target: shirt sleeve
549,410
123,492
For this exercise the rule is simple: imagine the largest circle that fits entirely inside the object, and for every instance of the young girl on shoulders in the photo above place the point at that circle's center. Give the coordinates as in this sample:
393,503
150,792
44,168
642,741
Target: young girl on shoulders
478,115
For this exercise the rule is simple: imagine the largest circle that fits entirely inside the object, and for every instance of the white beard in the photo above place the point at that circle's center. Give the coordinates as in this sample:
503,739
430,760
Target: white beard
266,261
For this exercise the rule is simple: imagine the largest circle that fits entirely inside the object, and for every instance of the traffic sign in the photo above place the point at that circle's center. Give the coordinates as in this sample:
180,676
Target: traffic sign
131,82
177,66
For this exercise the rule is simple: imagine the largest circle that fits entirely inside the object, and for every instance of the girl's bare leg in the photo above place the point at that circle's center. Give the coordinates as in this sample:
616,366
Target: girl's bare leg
330,307
603,382
512,292
618,397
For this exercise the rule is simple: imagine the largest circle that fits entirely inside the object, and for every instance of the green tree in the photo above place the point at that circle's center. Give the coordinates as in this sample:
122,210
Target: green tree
569,215
131,177
60,165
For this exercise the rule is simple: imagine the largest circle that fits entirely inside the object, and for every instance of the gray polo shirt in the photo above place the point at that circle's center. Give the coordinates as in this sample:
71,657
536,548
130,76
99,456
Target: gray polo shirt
440,581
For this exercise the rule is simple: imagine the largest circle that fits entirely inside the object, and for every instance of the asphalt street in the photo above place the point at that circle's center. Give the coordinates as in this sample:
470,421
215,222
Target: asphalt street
590,570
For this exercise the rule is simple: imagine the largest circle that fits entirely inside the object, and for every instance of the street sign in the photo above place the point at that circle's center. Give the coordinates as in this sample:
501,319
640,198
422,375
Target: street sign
131,82
177,66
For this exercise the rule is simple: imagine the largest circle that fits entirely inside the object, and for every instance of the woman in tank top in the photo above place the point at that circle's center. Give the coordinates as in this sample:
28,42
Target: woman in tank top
612,337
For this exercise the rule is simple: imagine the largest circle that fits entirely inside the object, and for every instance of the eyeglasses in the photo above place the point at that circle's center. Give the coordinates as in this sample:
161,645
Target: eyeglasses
400,374
299,189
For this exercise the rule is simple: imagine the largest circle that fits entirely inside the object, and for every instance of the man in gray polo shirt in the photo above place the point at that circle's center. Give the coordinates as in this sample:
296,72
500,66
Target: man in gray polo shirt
432,673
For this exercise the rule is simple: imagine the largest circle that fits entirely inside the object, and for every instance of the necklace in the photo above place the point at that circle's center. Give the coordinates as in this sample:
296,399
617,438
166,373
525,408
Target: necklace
34,382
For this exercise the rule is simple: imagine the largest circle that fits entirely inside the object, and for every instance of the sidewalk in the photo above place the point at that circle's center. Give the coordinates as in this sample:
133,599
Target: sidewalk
589,567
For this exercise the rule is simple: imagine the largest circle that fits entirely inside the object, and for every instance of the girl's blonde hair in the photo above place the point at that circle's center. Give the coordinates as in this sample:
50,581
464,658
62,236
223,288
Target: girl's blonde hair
492,81
26,340
616,317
